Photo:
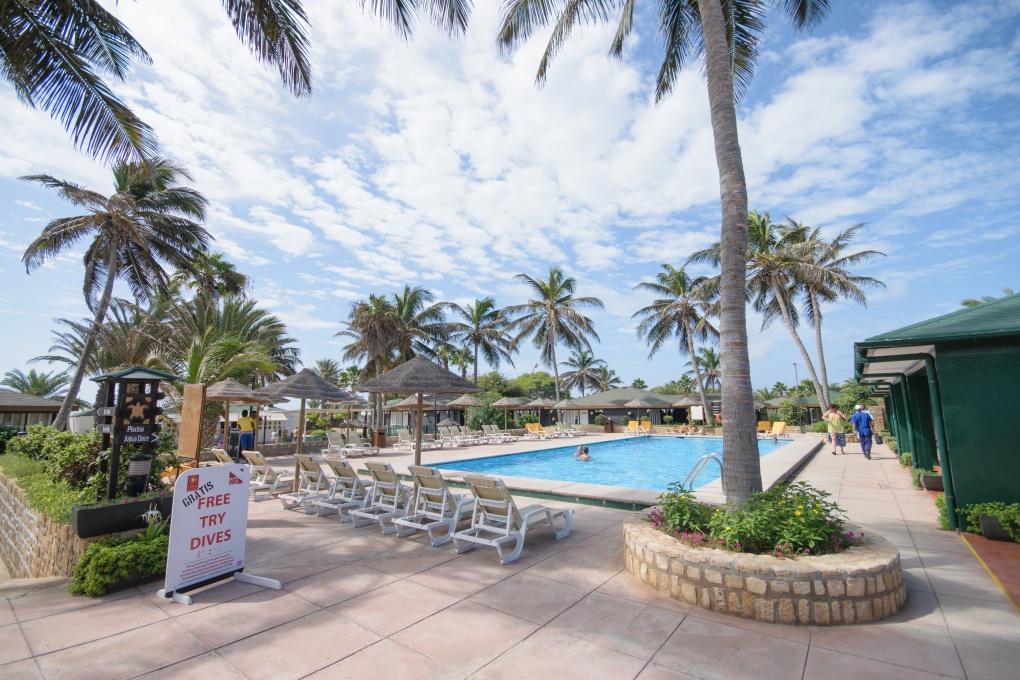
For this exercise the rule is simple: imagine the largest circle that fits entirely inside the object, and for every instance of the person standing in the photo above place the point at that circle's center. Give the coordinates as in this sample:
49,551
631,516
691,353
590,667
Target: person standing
862,422
836,421
247,427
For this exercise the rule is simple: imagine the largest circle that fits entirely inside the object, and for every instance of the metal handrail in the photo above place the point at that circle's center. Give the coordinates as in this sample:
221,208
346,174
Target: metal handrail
699,467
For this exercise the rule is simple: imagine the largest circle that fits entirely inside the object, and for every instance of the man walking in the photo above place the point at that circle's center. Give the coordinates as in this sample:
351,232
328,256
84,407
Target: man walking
862,422
247,427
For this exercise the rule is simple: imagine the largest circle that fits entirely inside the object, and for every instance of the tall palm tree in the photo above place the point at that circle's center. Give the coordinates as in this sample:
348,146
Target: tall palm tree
55,55
679,313
709,363
972,302
463,358
422,325
606,379
145,223
329,369
584,374
780,389
727,41
213,277
372,325
484,327
45,385
765,393
554,317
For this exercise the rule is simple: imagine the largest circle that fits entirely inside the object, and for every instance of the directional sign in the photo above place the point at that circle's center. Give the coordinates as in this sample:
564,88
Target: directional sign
104,429
106,412
137,438
137,429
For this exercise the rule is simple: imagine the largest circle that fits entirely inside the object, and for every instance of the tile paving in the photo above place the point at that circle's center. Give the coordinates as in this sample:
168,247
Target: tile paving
357,604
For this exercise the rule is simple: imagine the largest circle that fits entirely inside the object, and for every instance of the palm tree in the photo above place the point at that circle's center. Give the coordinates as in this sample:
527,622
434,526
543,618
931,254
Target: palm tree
45,385
373,327
709,363
213,277
765,393
833,280
971,302
485,328
680,313
55,54
780,389
585,368
445,353
553,317
143,224
421,324
728,43
606,379
329,370
463,358
639,384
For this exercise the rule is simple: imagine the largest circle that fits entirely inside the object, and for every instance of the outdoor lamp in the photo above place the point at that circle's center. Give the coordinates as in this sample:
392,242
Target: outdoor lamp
138,473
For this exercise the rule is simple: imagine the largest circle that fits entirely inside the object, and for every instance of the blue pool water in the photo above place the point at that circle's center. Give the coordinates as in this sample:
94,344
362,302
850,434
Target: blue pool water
639,463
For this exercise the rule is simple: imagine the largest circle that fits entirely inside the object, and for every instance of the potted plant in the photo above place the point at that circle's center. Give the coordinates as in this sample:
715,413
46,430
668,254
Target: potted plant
932,482
114,564
601,419
995,521
117,515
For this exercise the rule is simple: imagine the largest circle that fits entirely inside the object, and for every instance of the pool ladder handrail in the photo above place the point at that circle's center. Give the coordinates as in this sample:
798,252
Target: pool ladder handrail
699,467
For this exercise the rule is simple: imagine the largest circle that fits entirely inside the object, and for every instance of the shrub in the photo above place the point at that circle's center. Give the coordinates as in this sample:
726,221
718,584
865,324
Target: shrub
1009,517
110,560
15,465
820,426
320,434
53,499
943,519
906,460
892,444
790,413
667,420
625,420
32,443
915,476
7,433
601,419
645,419
527,418
70,457
678,513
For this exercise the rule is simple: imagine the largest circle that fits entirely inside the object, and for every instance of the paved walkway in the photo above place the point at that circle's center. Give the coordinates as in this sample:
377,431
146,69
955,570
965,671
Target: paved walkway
357,604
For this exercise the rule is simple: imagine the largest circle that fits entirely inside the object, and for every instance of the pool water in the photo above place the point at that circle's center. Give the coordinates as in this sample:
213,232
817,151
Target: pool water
639,463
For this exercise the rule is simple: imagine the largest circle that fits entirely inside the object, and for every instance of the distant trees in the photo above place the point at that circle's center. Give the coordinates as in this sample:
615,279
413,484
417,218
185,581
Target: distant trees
46,385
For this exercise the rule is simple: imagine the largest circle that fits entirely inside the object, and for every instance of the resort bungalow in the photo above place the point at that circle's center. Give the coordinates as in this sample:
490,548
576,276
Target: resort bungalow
21,410
612,404
951,386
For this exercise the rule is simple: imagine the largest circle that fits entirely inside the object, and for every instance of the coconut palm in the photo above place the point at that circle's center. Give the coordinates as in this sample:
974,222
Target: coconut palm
680,313
484,327
55,55
329,369
45,385
584,373
145,223
372,325
213,276
971,302
833,281
421,324
726,43
709,364
765,393
554,317
606,379
463,358
780,389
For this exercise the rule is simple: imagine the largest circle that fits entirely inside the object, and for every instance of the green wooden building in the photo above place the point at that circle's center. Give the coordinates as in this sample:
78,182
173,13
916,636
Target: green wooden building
951,386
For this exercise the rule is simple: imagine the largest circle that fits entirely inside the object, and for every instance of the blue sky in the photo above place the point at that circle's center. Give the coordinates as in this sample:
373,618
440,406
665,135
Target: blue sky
438,163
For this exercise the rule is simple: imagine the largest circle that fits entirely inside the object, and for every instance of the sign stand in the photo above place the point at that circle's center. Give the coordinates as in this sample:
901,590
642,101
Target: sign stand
207,536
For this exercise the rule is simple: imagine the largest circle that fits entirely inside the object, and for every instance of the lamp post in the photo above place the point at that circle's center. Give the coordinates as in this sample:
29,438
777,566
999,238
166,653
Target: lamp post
796,387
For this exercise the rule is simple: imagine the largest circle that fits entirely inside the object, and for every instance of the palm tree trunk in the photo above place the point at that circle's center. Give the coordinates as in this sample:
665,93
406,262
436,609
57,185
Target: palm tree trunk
821,354
377,405
800,345
697,374
476,362
742,466
90,342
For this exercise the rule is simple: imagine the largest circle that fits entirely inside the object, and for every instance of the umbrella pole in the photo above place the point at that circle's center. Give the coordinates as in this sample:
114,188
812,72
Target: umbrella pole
417,433
297,450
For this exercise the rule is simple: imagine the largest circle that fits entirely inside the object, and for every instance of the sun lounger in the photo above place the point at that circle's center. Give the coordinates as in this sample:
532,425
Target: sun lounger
497,435
264,478
473,437
632,427
778,428
764,426
496,520
222,457
313,485
646,425
358,446
346,493
389,499
435,509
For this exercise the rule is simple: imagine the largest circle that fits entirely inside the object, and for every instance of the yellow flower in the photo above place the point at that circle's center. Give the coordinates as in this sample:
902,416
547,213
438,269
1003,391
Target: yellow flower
727,528
815,511
801,507
798,513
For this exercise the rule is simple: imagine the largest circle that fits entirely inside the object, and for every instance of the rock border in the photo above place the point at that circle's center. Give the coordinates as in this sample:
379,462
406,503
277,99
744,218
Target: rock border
861,585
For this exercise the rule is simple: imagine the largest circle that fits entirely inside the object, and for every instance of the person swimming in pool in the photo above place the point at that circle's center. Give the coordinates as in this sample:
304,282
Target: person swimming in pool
582,454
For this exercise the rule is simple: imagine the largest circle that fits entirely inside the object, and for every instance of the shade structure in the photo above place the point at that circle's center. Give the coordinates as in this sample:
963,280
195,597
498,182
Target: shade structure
639,404
508,403
447,423
566,405
540,403
305,384
466,401
229,390
688,401
418,376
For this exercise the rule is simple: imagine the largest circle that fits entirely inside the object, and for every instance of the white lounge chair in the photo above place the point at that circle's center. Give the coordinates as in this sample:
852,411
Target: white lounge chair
435,509
346,493
264,478
336,444
406,440
389,499
496,520
473,437
359,446
495,435
222,457
313,485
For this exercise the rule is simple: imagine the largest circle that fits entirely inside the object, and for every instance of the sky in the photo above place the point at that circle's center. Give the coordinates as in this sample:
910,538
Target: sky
439,163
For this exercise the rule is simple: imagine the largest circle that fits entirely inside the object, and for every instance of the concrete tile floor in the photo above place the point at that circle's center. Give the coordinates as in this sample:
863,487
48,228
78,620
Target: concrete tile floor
358,604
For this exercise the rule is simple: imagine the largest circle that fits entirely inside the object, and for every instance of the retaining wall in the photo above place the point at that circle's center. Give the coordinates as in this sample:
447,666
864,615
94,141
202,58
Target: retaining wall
863,584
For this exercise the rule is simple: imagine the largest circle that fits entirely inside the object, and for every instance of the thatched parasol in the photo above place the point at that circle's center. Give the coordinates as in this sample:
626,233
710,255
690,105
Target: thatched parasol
566,405
465,402
230,390
687,402
447,423
418,376
305,384
540,404
508,403
641,403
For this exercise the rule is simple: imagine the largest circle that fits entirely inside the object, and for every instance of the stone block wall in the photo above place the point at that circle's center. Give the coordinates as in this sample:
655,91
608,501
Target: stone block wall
863,584
31,544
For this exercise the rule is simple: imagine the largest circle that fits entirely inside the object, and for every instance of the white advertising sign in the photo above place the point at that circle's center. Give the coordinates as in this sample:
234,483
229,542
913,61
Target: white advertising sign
210,518
697,413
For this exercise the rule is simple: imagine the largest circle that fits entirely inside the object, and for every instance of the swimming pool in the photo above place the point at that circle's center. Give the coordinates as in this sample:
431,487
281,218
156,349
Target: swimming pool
639,463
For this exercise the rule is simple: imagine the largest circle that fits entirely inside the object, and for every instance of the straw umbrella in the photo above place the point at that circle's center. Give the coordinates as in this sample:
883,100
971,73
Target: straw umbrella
418,376
540,404
566,405
507,403
641,403
304,385
463,403
230,390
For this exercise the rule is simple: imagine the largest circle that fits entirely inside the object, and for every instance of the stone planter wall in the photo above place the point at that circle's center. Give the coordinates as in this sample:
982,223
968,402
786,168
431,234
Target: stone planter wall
31,544
863,584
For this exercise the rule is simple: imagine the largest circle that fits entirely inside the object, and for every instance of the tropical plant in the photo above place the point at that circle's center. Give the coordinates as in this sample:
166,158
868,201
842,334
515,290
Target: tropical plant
213,277
484,327
554,317
709,363
606,379
45,385
639,384
780,389
145,223
765,393
421,324
685,385
55,55
372,326
463,358
584,371
680,313
329,370
971,302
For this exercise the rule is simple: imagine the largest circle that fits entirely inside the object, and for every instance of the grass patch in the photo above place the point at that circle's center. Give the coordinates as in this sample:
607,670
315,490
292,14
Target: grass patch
53,499
15,465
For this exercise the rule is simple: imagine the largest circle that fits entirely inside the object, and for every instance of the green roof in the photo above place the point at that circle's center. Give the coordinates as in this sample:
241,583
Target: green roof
998,318
136,373
619,397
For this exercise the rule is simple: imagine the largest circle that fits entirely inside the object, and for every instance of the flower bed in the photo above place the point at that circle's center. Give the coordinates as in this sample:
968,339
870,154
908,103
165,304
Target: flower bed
861,584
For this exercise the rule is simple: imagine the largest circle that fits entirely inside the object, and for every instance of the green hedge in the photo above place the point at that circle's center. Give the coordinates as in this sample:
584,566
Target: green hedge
111,560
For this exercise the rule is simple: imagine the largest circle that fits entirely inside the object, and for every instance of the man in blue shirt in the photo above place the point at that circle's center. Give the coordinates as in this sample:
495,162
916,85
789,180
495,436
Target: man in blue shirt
862,422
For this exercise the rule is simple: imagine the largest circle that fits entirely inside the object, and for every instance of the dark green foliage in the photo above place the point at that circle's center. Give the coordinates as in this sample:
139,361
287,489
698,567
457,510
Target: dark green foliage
943,518
906,459
107,561
1009,517
915,476
476,416
32,443
680,512
7,433
820,426
791,414
625,420
853,395
601,419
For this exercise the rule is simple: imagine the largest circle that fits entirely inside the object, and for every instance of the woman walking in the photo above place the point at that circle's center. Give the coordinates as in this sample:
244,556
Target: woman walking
836,421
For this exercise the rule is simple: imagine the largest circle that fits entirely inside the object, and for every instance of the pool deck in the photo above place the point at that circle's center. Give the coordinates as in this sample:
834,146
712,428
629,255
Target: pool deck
357,604
775,467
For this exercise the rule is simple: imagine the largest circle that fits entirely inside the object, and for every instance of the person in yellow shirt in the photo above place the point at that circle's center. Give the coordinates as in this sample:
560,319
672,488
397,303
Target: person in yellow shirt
247,427
836,421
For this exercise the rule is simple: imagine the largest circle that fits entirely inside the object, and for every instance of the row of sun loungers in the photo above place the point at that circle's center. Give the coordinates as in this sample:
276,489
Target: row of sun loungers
536,431
487,515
